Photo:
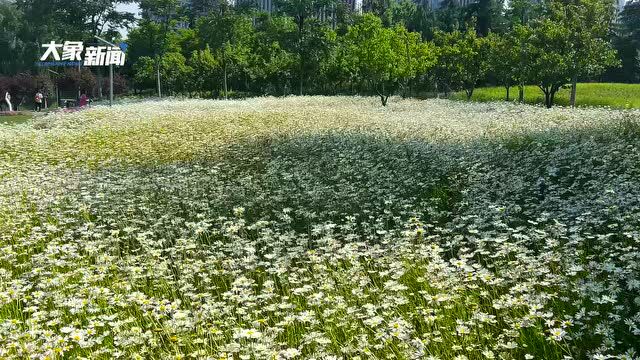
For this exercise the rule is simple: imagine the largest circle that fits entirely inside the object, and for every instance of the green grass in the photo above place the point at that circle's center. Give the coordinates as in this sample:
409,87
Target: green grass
15,119
588,94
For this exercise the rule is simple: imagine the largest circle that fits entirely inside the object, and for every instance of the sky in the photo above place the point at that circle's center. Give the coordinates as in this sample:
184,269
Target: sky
133,8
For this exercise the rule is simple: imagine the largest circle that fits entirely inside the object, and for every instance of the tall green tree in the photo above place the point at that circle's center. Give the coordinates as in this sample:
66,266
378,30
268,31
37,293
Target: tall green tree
504,59
489,16
450,16
627,43
462,60
272,63
522,12
174,71
387,57
550,54
14,53
588,24
304,14
230,37
204,67
166,14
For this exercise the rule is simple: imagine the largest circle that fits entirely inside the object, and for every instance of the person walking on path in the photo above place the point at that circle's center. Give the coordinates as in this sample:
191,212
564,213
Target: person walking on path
7,98
84,100
38,100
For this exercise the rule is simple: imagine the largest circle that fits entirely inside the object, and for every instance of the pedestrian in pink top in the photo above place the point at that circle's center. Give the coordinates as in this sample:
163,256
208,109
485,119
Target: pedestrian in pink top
84,100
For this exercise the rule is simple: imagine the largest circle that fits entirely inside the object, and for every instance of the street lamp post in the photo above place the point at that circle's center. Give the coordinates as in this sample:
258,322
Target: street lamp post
110,70
57,90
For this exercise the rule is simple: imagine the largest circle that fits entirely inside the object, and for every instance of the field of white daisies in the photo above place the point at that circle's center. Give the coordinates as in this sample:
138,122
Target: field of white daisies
321,228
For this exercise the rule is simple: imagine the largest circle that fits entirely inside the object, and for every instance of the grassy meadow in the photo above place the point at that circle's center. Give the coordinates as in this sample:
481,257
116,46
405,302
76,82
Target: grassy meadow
321,228
615,95
14,119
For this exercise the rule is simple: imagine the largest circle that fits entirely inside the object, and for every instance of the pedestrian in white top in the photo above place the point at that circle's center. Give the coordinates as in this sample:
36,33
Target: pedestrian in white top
7,98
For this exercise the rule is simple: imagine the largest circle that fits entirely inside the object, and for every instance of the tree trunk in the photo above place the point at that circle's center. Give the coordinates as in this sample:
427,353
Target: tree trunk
383,96
158,78
301,77
508,88
100,80
225,80
574,83
469,93
521,93
547,99
300,33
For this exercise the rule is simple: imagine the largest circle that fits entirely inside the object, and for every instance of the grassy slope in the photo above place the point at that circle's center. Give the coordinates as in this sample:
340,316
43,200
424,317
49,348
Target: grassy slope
588,94
15,119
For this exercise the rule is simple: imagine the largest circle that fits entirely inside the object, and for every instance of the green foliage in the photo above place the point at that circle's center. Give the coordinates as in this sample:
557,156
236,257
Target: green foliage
550,54
568,42
271,62
505,59
626,41
175,72
204,65
521,12
462,60
312,40
488,16
302,46
25,24
12,48
147,40
385,57
144,72
230,37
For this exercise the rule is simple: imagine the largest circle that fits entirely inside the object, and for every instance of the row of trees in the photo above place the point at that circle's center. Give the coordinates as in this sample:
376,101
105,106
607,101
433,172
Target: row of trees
548,44
210,49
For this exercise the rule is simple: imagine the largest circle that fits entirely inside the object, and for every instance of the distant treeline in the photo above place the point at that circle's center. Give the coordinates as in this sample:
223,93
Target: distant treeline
210,49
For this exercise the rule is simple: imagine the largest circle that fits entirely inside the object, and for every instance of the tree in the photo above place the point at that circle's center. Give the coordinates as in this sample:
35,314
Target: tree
200,8
144,72
204,66
567,43
12,47
173,69
271,63
521,35
630,20
488,16
165,14
386,57
550,54
588,23
462,60
230,36
450,16
81,81
400,12
175,72
521,12
627,43
504,59
26,24
302,12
